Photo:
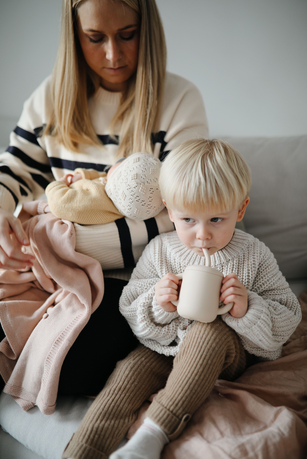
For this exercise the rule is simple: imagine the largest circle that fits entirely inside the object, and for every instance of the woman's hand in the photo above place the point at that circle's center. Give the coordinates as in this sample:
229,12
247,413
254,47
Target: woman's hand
167,291
12,240
232,291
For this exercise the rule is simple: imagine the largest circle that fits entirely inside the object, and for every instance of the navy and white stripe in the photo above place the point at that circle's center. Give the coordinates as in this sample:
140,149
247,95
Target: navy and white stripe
126,240
56,162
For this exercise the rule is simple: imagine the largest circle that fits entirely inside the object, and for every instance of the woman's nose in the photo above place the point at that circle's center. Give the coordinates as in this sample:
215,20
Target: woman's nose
112,51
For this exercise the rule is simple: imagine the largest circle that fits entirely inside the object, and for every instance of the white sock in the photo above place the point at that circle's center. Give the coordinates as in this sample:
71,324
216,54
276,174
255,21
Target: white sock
147,443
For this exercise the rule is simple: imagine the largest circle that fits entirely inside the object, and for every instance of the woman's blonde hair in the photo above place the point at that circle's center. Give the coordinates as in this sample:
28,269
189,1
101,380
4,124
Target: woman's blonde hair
204,174
73,82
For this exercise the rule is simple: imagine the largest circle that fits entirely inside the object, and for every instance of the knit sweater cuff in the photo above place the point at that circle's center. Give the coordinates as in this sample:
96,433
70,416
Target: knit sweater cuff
78,450
6,200
253,315
255,328
160,315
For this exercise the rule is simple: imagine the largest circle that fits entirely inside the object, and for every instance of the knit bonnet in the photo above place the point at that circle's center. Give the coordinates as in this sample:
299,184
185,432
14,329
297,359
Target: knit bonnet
133,187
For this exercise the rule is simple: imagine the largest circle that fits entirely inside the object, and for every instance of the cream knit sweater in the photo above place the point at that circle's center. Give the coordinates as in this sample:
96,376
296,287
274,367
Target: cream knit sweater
31,162
273,310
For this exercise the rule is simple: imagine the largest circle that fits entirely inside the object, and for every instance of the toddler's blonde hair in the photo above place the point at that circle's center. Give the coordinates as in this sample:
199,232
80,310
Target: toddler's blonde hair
204,174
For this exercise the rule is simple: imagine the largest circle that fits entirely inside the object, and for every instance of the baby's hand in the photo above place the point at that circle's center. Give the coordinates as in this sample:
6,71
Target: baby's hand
232,291
68,179
76,177
167,291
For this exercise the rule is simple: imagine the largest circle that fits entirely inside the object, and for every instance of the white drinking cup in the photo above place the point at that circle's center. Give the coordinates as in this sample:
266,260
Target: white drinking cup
199,294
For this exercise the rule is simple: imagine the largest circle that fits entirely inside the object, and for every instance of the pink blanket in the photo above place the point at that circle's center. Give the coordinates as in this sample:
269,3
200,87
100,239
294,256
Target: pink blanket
43,310
262,415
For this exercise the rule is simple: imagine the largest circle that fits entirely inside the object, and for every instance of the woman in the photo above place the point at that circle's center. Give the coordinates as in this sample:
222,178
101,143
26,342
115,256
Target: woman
109,96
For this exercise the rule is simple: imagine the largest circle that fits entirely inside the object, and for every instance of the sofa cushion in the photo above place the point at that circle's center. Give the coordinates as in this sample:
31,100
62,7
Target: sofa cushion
47,436
277,213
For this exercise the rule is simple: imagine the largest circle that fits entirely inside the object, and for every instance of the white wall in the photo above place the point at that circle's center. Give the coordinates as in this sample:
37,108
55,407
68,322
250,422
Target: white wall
248,58
29,36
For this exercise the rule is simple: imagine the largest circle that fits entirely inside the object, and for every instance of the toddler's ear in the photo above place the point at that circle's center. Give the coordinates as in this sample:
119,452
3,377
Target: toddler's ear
169,211
242,209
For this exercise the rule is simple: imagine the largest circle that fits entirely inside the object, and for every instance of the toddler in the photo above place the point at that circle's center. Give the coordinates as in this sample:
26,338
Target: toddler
205,186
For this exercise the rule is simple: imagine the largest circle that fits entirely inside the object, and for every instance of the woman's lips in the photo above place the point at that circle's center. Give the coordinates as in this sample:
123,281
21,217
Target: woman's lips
114,70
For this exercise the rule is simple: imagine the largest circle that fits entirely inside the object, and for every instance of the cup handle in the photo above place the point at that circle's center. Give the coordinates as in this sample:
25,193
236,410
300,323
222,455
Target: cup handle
224,309
175,303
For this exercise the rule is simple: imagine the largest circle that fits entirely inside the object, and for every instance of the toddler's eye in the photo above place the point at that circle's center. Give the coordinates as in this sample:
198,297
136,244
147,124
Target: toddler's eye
216,220
188,220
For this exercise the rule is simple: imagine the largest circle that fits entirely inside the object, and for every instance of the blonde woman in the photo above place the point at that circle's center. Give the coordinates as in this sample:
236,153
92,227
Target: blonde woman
109,96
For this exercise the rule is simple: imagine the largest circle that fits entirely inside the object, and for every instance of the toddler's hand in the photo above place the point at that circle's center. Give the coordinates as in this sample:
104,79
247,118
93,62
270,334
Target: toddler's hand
232,291
167,291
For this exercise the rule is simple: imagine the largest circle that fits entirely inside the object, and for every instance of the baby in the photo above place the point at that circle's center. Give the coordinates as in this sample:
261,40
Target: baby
130,189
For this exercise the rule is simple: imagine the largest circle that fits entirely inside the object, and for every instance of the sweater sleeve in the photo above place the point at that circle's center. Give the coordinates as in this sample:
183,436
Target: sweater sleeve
24,166
183,115
84,202
273,311
139,306
90,174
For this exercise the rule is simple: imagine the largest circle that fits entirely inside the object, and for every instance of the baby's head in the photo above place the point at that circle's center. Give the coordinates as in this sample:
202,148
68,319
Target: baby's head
133,186
205,186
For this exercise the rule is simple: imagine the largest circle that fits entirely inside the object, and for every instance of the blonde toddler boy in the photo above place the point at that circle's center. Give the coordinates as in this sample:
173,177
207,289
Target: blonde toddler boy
205,186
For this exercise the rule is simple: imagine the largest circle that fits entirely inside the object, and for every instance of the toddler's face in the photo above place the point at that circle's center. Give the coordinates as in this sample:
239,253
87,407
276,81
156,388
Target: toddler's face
206,229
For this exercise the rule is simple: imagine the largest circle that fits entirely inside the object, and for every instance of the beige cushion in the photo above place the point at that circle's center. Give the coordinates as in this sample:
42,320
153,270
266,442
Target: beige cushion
277,213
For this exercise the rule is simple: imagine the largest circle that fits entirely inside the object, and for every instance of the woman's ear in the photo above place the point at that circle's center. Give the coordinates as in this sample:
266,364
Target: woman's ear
169,211
242,209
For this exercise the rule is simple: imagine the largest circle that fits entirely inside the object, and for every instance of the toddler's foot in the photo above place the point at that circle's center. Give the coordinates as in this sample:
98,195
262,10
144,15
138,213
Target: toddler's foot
147,443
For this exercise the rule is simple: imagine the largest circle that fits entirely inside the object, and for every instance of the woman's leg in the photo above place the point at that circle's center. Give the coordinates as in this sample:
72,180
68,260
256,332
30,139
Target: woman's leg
134,380
208,352
106,339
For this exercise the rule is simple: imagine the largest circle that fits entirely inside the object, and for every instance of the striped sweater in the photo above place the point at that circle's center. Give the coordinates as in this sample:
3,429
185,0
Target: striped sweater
31,162
273,310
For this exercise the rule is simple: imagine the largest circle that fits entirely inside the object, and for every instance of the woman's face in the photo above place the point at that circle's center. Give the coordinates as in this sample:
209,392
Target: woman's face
109,37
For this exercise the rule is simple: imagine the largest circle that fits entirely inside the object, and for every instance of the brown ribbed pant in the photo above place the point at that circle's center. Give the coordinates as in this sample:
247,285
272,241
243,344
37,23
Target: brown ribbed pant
209,351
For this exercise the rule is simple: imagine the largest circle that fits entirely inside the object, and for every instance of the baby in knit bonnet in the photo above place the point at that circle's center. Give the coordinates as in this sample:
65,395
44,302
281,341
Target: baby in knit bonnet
130,189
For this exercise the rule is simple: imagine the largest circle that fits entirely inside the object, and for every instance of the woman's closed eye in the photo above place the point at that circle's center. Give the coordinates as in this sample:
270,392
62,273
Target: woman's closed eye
125,37
129,36
95,40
